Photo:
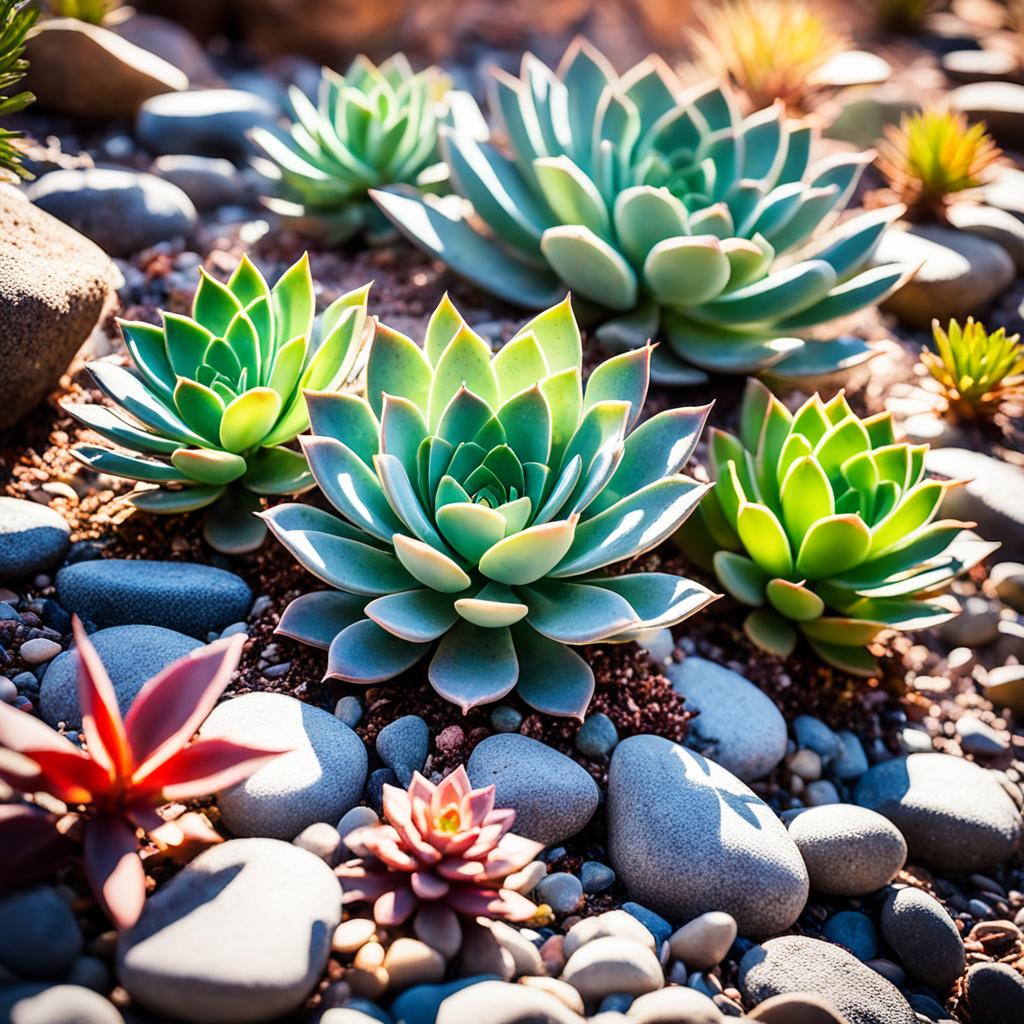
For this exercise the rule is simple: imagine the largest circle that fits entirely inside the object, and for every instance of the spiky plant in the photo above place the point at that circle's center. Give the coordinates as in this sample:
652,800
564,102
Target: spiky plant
976,371
130,766
214,398
932,156
823,523
372,126
487,504
442,853
769,49
666,211
16,18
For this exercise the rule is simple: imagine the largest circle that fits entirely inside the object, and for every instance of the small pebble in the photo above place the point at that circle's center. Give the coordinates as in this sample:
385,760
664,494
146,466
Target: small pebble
322,839
411,962
807,764
980,739
654,923
38,651
852,931
560,891
527,879
349,710
596,877
375,787
703,942
352,935
358,817
403,746
597,737
816,735
505,718
820,793
8,691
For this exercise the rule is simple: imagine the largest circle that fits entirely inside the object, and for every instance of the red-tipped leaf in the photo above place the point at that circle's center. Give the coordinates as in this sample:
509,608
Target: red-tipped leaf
102,724
113,868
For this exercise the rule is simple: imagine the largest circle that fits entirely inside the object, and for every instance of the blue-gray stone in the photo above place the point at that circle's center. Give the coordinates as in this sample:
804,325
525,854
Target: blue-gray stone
419,1004
561,891
995,994
8,614
39,935
208,181
349,710
597,737
203,122
924,937
596,877
817,736
685,836
379,778
553,797
505,718
122,211
33,538
403,745
854,932
319,779
184,596
852,762
654,923
132,655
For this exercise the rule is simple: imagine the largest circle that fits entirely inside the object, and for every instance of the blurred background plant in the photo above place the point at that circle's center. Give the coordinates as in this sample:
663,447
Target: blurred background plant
15,21
903,16
931,157
976,371
94,12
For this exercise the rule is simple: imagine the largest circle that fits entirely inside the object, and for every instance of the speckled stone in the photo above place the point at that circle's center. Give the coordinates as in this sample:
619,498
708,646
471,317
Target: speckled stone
798,963
995,993
612,964
553,797
240,934
924,937
954,814
745,726
320,779
686,836
617,923
184,596
403,745
131,655
33,537
673,1005
848,850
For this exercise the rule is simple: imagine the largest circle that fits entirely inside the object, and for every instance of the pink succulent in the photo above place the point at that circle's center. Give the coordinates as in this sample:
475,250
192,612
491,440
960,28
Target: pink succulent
444,852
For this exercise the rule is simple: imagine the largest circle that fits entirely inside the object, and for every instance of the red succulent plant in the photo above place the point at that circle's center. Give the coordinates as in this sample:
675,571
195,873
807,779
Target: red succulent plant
444,852
130,766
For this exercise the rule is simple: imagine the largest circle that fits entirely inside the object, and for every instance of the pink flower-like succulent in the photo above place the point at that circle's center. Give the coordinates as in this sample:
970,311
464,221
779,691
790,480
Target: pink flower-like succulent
444,852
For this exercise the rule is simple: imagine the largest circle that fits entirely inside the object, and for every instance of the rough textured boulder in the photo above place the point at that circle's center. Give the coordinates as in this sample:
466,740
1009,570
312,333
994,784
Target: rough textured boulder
53,287
88,71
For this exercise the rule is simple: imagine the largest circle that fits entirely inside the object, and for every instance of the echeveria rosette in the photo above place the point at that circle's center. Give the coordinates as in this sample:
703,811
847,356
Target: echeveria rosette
669,212
825,525
486,502
442,853
214,398
371,127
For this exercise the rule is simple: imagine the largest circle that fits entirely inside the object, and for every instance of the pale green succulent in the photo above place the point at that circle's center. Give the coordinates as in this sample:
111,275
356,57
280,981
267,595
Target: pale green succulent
823,523
487,504
371,127
213,398
667,211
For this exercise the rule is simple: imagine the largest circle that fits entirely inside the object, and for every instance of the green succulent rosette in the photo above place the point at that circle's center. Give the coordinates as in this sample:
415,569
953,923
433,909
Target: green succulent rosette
487,505
669,212
825,525
371,127
204,415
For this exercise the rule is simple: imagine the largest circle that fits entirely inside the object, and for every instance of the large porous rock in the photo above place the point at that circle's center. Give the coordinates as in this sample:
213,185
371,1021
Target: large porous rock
553,797
960,273
954,814
745,729
798,963
132,655
239,934
318,29
121,211
53,287
993,496
686,836
191,598
88,71
33,537
999,104
320,779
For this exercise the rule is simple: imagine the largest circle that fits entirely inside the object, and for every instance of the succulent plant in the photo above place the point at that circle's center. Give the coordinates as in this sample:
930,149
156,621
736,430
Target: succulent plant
933,155
442,854
663,210
976,371
823,523
130,766
487,504
16,18
906,16
371,127
769,49
215,397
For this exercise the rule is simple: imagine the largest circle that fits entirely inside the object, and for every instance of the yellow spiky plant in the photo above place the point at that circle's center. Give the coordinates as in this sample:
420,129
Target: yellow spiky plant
770,49
932,156
976,371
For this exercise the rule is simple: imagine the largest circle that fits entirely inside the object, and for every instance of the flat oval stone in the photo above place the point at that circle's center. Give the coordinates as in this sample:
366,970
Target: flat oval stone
954,814
56,1004
498,1002
553,797
320,779
798,963
241,933
924,937
995,993
611,964
33,538
185,596
132,655
686,836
